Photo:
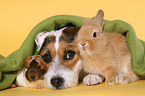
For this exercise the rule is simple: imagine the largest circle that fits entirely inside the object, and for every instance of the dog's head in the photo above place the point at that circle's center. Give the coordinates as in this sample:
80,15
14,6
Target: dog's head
35,69
62,57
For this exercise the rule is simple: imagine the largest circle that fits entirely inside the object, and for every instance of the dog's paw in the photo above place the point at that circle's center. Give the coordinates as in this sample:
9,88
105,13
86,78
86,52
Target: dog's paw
123,79
92,79
39,87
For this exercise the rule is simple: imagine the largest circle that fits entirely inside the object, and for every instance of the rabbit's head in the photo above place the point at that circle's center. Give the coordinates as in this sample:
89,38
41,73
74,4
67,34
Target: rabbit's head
89,36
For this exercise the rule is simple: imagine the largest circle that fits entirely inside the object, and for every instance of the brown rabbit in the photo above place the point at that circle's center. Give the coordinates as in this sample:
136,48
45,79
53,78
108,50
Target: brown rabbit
104,55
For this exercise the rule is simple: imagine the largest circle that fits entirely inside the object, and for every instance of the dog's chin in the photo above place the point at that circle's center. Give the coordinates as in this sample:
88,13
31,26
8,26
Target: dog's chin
60,77
70,79
66,84
72,83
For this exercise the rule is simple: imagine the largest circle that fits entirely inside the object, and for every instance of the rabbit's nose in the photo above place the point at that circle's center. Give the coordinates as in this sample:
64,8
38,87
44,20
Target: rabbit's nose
83,44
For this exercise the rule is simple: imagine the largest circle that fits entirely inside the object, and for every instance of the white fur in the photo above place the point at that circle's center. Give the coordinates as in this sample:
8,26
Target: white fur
57,35
41,37
22,81
70,76
122,79
92,79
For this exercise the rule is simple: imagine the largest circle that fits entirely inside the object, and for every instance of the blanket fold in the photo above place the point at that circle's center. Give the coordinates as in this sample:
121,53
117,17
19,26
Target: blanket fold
11,64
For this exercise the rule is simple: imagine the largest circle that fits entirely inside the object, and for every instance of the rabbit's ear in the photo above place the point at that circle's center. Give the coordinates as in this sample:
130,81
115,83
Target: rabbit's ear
99,18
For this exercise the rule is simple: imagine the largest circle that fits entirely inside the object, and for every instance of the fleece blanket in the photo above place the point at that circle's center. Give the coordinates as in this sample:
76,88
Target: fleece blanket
12,63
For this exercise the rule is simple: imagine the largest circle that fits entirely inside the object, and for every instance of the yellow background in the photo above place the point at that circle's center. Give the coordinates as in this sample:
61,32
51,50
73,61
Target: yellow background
132,89
18,17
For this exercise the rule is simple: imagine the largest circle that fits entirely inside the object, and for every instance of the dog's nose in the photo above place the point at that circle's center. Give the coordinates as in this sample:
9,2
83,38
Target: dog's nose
57,82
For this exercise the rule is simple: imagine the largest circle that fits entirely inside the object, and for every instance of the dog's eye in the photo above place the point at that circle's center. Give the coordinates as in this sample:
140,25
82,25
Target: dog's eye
69,55
47,57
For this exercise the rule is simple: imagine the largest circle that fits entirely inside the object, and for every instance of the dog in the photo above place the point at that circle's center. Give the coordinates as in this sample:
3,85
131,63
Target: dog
62,57
32,74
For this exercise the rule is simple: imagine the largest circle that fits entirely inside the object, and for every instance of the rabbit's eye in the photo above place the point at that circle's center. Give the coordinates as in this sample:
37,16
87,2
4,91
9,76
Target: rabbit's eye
94,34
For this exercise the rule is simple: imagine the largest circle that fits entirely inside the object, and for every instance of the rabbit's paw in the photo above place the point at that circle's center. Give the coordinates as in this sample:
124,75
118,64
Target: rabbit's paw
92,79
111,82
123,79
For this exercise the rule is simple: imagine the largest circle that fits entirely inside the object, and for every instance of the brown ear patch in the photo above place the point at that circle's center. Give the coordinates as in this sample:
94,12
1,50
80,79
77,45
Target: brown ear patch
49,40
27,61
69,34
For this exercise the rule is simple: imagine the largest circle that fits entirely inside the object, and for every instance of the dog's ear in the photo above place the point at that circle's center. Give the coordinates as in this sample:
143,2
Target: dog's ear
73,31
70,33
58,26
40,38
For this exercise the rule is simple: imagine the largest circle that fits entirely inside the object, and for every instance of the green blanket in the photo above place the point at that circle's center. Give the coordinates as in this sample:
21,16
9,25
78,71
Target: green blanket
12,63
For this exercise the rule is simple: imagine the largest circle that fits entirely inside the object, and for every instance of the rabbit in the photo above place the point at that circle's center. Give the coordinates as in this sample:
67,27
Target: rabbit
104,55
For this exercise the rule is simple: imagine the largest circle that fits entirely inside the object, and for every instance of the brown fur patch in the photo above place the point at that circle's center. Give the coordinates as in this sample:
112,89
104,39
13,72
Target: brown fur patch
69,34
62,51
49,39
110,73
49,48
27,61
35,69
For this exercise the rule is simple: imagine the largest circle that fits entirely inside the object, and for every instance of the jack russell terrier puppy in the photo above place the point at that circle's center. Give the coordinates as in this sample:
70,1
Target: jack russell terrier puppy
61,56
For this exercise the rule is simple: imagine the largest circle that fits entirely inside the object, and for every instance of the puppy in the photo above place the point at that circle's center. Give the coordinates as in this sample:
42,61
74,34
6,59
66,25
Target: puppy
62,57
32,74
